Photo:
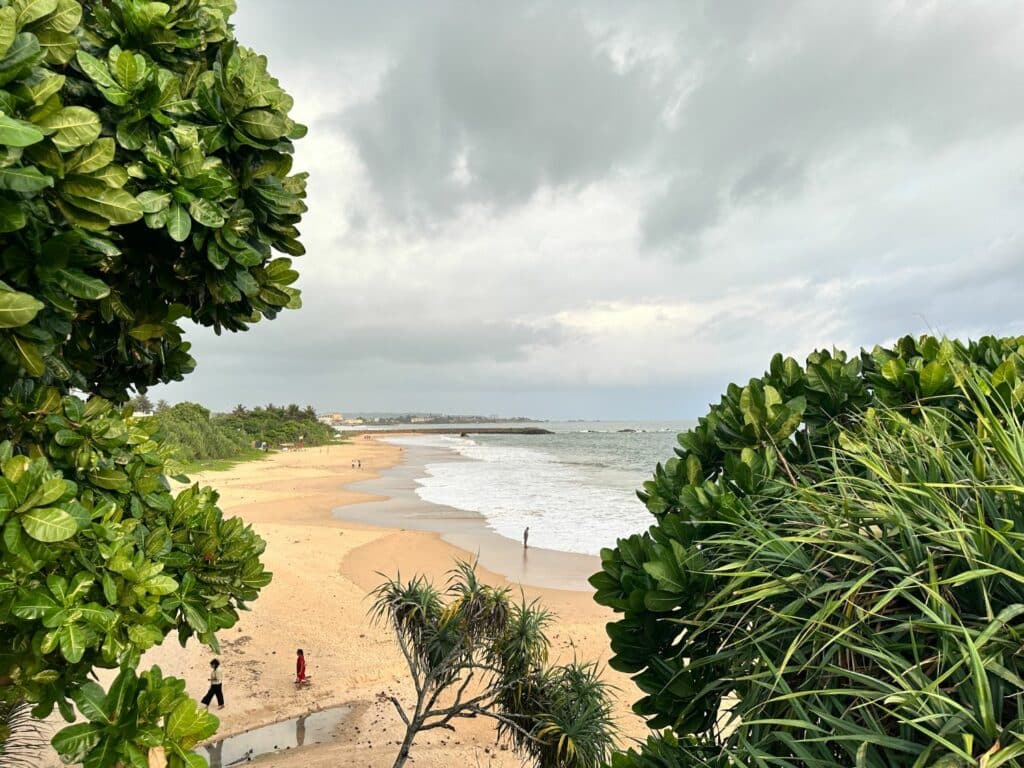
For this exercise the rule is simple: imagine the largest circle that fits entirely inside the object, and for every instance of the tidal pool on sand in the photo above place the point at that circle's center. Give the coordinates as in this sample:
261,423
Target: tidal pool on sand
313,728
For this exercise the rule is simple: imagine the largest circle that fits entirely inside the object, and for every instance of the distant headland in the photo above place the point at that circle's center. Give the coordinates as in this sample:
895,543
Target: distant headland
336,419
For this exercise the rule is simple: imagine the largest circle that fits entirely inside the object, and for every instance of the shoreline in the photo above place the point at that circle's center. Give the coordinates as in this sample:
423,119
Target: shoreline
399,506
324,566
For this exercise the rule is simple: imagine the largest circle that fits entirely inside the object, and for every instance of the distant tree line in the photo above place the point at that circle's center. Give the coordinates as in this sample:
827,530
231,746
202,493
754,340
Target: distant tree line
197,434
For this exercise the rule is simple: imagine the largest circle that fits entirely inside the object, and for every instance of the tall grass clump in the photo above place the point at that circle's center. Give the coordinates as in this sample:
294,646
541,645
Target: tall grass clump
874,618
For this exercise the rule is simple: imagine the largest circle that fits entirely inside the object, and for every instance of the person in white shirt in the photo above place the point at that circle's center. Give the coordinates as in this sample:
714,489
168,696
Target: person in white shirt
216,686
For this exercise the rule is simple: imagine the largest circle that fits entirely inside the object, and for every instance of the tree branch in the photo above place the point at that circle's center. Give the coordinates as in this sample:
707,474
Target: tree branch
472,704
502,719
413,663
401,712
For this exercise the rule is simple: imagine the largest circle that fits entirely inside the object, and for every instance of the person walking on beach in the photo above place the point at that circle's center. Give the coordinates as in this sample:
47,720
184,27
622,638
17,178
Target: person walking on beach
300,667
526,536
216,686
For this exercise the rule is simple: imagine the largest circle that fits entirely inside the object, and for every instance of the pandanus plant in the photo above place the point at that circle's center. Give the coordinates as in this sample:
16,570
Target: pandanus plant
472,651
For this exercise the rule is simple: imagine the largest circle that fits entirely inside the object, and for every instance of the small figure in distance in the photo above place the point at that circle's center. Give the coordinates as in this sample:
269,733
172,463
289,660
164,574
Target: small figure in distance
216,686
526,536
359,463
300,668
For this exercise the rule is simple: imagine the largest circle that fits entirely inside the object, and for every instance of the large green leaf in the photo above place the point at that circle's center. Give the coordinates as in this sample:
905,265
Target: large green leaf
72,127
189,725
81,285
933,378
17,309
47,493
8,28
91,701
76,740
206,213
146,331
26,353
12,216
38,87
58,47
34,604
49,524
127,70
17,133
66,17
115,205
95,69
153,201
32,10
26,179
179,223
263,124
20,57
92,158
110,479
72,642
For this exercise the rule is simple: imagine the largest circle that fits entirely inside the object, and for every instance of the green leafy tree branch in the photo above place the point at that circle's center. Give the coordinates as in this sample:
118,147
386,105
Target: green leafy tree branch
145,178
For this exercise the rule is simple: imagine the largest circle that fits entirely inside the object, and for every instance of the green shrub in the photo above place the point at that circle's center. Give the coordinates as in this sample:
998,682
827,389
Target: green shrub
195,436
835,576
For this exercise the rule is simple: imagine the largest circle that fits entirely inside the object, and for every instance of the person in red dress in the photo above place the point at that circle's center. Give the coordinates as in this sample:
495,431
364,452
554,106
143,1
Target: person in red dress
300,667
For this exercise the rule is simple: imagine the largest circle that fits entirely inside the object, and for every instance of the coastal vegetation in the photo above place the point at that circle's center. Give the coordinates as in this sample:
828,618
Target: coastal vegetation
834,575
189,429
145,179
197,435
472,651
277,425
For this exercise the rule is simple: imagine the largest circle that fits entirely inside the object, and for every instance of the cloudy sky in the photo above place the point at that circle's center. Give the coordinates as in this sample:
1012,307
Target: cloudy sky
609,209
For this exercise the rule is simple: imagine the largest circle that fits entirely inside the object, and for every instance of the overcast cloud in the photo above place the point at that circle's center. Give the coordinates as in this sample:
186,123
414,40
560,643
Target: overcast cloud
602,209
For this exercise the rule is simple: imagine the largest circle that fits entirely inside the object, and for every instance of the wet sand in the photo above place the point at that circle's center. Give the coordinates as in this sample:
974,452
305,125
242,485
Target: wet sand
398,506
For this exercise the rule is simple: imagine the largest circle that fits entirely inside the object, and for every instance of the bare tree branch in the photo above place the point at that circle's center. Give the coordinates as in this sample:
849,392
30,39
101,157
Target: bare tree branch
401,712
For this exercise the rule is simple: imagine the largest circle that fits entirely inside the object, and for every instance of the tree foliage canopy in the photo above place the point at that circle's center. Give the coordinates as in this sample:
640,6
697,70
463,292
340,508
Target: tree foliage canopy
278,424
145,178
835,577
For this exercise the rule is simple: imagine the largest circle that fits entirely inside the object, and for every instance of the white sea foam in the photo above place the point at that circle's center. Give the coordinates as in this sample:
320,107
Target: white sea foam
568,508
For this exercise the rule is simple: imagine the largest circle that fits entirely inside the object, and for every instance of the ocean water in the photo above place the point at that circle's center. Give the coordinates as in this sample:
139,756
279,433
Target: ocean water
575,489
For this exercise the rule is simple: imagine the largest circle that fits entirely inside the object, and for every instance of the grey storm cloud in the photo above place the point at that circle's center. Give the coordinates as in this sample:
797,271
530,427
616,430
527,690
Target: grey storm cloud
776,173
577,208
407,343
776,93
487,102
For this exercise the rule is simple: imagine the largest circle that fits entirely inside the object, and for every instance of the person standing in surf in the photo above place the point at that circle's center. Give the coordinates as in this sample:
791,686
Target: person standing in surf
526,536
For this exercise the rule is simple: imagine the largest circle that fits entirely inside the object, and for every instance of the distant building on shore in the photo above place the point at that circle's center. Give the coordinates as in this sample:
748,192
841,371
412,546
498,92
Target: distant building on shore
332,419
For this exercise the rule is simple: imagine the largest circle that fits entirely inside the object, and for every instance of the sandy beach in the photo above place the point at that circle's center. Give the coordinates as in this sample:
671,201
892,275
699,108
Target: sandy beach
323,568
